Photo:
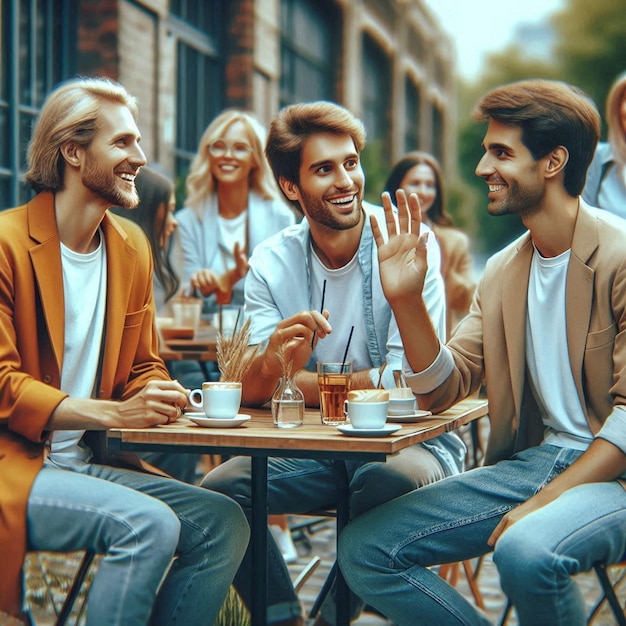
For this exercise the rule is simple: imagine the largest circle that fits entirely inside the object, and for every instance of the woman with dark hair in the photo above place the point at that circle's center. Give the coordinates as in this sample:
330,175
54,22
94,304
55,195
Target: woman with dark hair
420,173
155,214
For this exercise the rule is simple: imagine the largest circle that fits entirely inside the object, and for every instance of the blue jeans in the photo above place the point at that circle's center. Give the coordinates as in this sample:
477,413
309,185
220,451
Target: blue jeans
302,485
139,522
385,554
538,555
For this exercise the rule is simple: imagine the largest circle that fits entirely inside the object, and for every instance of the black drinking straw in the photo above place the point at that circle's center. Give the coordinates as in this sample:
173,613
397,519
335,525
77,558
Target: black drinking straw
237,320
321,308
345,354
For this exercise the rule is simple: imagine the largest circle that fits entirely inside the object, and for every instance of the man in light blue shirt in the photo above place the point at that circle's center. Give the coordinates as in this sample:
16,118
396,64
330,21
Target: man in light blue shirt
314,151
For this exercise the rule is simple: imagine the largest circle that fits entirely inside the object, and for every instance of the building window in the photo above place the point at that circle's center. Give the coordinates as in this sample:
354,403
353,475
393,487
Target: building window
412,116
308,52
200,87
37,42
376,90
438,138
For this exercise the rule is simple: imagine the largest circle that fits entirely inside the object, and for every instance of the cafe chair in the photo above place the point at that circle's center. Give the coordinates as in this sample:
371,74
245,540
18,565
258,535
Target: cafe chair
450,572
79,580
609,591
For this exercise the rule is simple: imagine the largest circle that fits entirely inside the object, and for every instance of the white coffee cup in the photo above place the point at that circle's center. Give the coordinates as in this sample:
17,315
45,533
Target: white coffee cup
218,399
402,406
367,408
402,401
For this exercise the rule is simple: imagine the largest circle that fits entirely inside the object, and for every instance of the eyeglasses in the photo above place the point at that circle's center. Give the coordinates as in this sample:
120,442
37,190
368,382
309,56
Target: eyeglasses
239,150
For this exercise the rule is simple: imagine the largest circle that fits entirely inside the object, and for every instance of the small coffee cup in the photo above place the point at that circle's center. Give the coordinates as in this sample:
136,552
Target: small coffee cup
402,401
367,408
219,400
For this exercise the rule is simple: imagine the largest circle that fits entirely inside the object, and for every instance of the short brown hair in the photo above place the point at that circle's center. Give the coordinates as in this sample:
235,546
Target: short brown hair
291,128
550,114
70,113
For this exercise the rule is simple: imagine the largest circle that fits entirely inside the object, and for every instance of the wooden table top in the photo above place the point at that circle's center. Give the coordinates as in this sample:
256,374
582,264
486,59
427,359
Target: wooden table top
260,434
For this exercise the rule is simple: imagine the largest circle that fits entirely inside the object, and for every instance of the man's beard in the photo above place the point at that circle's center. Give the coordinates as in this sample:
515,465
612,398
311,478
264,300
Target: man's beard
317,210
108,186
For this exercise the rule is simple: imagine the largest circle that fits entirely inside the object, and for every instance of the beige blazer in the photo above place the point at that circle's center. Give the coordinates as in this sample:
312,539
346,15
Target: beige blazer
457,272
490,342
31,351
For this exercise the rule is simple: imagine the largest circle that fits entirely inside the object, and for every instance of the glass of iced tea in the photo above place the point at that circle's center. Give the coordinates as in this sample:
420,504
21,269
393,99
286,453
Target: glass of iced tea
334,383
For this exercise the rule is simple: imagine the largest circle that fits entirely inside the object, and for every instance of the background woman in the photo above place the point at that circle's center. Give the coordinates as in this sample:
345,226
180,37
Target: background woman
155,214
232,205
606,177
420,173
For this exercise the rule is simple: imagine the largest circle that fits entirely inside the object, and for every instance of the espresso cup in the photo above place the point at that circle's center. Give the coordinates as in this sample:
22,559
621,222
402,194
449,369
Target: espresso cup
367,408
217,399
402,401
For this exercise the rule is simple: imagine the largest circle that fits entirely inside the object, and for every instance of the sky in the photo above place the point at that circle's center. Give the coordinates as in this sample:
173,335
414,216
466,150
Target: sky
478,27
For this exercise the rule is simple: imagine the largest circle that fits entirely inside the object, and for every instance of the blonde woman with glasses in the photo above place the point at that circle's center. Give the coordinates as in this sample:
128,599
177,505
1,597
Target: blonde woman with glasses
232,205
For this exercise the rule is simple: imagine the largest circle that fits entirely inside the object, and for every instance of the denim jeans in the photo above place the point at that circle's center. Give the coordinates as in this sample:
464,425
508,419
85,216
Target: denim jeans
538,555
385,554
138,522
302,485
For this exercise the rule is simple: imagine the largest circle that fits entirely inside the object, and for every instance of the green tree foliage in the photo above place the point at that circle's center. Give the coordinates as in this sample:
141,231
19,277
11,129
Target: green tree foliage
591,47
589,51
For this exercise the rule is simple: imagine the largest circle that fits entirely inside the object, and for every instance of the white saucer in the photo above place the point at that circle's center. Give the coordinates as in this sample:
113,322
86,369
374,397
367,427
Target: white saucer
387,429
411,417
199,418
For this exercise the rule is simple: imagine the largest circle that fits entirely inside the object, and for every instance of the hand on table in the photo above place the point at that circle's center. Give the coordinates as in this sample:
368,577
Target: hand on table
159,402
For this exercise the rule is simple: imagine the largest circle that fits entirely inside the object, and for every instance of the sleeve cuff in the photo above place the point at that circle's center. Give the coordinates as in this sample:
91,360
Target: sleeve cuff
433,376
614,428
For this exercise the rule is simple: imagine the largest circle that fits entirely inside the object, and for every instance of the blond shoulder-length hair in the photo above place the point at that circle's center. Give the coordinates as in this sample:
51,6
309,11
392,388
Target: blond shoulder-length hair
200,183
70,113
616,133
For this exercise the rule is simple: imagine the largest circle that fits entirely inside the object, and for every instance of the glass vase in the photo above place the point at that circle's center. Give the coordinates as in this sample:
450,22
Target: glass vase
287,404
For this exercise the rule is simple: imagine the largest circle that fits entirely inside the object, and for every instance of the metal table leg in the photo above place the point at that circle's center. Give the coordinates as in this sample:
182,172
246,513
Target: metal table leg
259,541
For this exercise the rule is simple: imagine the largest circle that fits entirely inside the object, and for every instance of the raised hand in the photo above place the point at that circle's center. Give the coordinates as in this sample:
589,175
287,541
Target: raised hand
402,258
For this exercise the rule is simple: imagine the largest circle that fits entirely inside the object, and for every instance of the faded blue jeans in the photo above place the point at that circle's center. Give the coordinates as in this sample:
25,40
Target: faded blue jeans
301,485
385,554
138,522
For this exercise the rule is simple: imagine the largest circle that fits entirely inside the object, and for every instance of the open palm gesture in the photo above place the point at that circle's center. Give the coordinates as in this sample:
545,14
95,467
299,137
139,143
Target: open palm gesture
402,258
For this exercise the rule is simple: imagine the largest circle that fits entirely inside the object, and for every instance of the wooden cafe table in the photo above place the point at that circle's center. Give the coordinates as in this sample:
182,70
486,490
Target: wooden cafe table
260,439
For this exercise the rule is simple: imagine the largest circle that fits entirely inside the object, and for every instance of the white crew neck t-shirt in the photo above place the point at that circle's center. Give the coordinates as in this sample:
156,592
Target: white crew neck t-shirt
547,355
84,293
344,301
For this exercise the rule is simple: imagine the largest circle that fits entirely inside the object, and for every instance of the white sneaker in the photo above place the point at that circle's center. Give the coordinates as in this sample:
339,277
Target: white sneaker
285,543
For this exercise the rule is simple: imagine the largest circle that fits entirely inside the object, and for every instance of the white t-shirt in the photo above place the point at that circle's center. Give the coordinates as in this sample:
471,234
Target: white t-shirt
232,231
547,354
84,293
343,300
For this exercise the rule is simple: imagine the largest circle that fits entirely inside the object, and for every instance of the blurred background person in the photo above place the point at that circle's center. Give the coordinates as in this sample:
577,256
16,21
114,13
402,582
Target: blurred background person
606,177
232,204
420,173
155,215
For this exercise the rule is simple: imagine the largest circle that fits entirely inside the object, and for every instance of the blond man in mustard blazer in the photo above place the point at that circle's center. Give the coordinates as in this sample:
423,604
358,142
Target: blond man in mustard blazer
78,354
547,333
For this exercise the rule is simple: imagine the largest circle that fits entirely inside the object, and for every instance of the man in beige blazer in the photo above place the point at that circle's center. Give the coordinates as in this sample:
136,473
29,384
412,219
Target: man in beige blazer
547,333
78,355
